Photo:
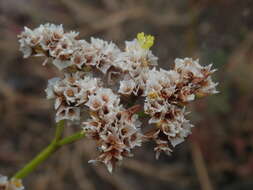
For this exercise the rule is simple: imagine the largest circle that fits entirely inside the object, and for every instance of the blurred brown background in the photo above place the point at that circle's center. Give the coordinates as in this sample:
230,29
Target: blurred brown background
219,154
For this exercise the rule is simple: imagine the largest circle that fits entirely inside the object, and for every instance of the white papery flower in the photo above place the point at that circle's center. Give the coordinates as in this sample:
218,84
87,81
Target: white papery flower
29,39
68,113
103,97
154,81
87,87
95,103
191,69
127,87
3,180
12,184
186,94
162,146
62,64
103,55
188,65
135,59
78,59
50,87
139,54
209,87
175,126
153,106
161,82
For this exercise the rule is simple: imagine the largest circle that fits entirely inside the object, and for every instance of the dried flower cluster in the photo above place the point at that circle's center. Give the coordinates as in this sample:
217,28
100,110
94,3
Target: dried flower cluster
113,87
12,184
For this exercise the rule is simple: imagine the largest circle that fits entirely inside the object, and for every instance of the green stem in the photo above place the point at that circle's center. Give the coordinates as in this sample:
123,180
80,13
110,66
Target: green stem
71,139
59,131
48,151
33,164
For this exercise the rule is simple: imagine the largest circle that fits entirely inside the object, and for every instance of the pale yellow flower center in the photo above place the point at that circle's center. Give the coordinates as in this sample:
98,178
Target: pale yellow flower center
153,95
17,183
146,41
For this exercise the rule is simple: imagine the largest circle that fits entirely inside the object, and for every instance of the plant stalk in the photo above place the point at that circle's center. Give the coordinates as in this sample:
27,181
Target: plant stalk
57,143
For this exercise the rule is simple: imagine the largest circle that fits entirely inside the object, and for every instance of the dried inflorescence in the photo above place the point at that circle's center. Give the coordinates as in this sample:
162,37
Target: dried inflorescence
12,184
71,94
114,87
116,133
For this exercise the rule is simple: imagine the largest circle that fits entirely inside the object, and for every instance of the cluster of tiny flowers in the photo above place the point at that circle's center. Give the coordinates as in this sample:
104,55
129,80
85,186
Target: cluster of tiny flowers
116,132
113,87
71,94
12,184
167,93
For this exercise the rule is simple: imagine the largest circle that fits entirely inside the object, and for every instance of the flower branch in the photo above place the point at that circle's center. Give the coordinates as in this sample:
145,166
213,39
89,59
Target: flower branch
49,150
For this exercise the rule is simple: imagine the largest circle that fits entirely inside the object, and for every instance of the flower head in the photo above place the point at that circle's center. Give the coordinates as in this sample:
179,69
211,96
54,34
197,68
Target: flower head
113,86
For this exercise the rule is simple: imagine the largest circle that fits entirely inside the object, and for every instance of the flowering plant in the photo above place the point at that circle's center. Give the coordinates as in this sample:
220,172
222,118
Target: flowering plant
118,97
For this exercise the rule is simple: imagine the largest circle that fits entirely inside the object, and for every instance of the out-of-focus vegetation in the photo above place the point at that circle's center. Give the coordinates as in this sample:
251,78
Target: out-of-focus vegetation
219,154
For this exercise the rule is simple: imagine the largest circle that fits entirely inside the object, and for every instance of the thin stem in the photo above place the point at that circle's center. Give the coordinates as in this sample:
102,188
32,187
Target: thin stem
49,150
59,131
71,139
33,164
